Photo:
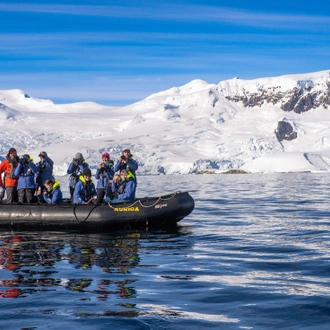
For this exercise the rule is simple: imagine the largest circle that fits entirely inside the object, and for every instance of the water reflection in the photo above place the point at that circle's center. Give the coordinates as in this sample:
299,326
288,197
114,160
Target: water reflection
36,262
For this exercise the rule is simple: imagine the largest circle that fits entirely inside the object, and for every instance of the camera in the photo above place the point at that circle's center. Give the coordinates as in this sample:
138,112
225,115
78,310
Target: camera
102,167
122,157
76,161
23,160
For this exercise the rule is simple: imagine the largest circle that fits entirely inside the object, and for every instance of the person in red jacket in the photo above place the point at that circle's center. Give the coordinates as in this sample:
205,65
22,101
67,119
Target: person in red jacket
8,167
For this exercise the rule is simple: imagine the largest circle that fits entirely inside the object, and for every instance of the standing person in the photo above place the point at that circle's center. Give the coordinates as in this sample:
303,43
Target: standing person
26,186
45,169
53,194
126,162
84,192
104,175
8,167
76,169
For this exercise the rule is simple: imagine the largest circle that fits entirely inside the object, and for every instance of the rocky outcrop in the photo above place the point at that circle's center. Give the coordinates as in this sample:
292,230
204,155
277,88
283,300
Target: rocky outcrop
298,99
284,131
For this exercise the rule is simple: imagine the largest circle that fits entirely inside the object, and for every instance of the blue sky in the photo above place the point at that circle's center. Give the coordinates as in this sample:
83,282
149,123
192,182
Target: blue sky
119,52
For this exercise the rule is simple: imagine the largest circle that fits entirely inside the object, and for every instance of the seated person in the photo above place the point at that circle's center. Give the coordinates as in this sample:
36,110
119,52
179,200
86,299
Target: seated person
125,191
112,190
53,194
84,191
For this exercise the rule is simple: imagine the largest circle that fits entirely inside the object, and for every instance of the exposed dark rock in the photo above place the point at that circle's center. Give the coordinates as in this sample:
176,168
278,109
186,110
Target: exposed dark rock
299,99
206,172
235,171
236,98
231,171
290,104
285,131
324,98
161,170
254,100
304,104
171,107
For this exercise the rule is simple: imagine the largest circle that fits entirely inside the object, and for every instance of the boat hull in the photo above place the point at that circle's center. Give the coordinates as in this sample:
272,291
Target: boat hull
144,212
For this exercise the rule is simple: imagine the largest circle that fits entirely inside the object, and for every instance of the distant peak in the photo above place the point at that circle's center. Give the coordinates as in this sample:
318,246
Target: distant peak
195,84
191,87
236,86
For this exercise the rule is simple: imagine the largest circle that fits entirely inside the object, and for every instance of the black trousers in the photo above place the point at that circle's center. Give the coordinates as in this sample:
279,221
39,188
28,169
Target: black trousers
26,196
71,193
100,195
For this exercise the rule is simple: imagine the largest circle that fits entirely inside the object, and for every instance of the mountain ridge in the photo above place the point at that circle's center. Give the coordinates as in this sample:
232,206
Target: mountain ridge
181,130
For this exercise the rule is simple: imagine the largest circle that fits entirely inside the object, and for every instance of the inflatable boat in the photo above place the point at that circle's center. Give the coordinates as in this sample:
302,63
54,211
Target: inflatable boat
143,212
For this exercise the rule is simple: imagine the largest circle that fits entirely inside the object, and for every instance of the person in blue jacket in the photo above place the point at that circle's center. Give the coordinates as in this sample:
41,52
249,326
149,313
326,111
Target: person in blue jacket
53,194
26,187
112,191
76,169
84,191
45,169
126,162
104,175
125,191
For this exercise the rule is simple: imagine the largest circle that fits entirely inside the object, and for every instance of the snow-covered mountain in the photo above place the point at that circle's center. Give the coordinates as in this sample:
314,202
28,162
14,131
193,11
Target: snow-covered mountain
267,124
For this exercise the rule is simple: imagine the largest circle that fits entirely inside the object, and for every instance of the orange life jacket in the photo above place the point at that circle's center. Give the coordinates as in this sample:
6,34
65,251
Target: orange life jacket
7,168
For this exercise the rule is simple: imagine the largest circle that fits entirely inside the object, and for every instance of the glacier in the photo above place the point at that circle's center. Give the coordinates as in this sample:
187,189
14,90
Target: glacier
194,128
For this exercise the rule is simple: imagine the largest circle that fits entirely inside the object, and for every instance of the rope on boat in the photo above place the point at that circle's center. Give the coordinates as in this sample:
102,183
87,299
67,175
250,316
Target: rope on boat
145,206
90,212
131,205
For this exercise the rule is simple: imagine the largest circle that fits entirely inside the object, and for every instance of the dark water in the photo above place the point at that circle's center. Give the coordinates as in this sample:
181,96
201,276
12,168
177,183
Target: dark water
254,254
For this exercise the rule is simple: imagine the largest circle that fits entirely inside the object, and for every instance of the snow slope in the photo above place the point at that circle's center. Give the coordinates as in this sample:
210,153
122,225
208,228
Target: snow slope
182,130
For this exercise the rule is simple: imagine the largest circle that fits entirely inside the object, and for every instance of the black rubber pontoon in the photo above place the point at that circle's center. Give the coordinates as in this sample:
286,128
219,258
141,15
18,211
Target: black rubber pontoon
150,211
